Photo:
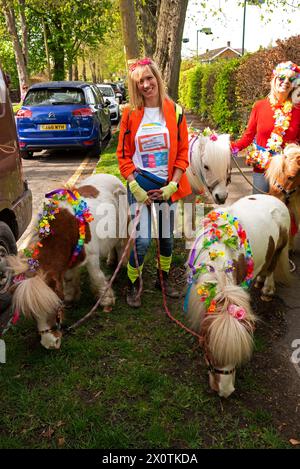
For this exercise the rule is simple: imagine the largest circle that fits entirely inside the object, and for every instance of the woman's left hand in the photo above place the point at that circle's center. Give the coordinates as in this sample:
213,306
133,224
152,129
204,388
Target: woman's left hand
155,194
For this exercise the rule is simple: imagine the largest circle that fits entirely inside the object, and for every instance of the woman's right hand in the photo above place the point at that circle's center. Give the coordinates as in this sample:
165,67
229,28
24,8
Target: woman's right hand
139,194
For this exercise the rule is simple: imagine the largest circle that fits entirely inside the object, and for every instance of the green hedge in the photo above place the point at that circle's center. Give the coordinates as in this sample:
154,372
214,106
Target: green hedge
224,91
224,110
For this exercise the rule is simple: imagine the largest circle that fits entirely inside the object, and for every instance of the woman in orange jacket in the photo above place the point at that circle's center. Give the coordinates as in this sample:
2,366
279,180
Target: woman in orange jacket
153,156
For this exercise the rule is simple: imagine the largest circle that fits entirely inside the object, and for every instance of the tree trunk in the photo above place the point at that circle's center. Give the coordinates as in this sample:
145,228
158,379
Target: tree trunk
58,55
147,20
70,71
75,70
46,35
168,43
93,70
11,26
129,30
57,51
83,68
24,31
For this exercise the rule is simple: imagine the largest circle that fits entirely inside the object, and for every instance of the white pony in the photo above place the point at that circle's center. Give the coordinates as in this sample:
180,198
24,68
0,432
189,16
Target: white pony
41,292
208,172
246,240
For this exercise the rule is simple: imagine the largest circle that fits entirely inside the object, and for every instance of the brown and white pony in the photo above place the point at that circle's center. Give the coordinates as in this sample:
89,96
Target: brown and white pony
208,173
220,271
283,175
41,294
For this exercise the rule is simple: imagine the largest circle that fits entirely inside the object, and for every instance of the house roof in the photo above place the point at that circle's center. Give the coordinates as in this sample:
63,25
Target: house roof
214,53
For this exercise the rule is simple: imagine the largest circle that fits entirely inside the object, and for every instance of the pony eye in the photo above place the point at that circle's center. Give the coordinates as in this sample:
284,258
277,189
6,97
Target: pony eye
206,167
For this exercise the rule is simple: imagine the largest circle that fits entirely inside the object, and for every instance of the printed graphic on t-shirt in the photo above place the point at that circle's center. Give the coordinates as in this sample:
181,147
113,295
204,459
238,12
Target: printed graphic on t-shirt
152,142
152,160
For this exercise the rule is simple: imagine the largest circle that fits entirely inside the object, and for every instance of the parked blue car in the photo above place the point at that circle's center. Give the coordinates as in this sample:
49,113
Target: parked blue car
63,115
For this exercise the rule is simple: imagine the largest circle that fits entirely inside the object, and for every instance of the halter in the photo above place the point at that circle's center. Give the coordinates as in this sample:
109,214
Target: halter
287,194
218,371
58,323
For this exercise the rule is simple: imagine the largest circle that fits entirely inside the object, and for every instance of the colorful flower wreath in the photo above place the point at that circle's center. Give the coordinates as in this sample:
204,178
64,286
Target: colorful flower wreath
50,209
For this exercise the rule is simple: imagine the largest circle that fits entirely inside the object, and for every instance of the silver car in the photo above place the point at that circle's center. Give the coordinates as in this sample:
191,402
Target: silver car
114,108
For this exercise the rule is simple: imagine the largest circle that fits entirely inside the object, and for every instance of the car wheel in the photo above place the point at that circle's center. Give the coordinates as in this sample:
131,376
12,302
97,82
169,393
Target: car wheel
95,152
26,155
7,246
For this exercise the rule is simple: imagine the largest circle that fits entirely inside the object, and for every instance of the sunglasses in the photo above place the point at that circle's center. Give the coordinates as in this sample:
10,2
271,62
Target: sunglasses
283,78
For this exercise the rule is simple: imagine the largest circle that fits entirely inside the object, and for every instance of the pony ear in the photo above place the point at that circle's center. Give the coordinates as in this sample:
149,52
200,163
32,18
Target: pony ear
55,284
240,267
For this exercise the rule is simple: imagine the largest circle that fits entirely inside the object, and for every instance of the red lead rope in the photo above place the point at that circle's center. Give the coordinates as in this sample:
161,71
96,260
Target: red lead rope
168,313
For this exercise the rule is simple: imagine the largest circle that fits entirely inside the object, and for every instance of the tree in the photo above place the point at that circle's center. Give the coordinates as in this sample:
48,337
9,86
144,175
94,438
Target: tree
129,29
166,18
69,26
147,13
20,49
168,42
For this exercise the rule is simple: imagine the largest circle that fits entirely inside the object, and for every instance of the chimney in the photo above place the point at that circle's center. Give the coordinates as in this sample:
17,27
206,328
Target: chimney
228,43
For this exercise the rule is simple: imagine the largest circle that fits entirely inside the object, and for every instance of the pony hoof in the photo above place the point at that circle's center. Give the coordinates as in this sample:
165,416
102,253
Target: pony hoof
266,298
107,309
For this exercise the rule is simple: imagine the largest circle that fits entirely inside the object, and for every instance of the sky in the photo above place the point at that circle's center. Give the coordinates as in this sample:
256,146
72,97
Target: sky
229,26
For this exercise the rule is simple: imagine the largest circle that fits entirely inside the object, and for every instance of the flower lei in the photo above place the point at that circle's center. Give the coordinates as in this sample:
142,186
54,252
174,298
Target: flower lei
50,209
261,159
215,232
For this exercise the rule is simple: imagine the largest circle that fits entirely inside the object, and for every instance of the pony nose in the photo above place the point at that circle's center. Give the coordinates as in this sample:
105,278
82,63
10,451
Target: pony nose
220,199
226,393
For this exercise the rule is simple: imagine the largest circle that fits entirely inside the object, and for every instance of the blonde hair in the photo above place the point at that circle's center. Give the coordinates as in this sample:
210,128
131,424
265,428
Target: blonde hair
136,100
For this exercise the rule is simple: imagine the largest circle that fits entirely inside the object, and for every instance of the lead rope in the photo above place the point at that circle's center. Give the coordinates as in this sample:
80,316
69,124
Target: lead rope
93,310
179,323
245,177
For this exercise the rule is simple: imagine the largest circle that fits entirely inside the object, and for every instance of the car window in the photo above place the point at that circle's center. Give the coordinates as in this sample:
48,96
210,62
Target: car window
54,96
90,96
2,94
107,91
98,93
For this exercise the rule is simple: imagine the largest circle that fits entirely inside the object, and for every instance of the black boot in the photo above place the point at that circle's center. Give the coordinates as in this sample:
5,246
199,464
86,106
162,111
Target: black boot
169,290
132,298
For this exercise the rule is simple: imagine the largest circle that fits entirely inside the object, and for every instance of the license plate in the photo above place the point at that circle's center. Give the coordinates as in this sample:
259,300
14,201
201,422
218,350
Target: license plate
53,127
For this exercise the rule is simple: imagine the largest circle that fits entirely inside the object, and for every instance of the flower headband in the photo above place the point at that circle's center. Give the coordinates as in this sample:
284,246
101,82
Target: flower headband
287,69
142,62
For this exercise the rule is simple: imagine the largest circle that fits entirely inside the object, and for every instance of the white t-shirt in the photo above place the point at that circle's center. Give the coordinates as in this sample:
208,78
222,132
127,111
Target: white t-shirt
152,143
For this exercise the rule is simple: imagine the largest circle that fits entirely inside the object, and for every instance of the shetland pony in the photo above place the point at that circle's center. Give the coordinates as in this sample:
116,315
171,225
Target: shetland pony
283,175
40,293
208,172
245,240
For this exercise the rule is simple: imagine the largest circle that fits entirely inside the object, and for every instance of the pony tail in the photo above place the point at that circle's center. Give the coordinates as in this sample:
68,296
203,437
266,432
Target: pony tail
35,299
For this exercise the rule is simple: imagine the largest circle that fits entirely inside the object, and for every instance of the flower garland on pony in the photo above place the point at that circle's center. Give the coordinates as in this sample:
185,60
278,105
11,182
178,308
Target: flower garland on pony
220,227
50,209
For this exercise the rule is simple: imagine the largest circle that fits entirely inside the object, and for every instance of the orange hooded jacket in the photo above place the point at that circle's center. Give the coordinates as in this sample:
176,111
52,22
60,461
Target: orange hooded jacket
178,152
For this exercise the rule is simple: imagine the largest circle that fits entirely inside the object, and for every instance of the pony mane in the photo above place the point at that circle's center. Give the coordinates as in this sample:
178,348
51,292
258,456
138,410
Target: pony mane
217,154
229,340
35,299
275,169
